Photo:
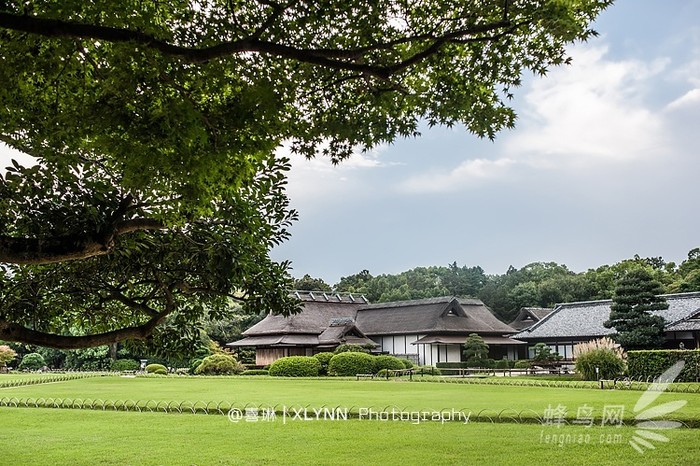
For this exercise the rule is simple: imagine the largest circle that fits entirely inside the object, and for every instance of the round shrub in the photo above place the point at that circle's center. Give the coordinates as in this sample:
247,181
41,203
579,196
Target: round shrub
350,364
324,359
387,362
125,365
219,364
522,364
156,369
255,372
407,363
346,348
295,366
610,364
32,362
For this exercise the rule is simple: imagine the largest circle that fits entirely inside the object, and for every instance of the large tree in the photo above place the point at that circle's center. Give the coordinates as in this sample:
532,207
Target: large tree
636,297
154,124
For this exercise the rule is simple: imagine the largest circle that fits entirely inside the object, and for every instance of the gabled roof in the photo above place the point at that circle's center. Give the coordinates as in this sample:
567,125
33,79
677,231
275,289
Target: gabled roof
585,319
433,315
528,316
338,333
318,310
688,324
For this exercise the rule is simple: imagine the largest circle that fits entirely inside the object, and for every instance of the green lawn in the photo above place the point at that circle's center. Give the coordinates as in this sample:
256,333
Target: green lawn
44,436
76,437
490,399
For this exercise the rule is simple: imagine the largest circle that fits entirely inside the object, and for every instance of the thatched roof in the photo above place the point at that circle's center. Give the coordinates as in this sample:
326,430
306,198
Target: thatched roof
433,315
528,316
318,312
585,319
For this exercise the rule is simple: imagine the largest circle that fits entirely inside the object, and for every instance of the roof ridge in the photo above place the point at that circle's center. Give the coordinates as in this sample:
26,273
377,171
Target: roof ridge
329,297
409,302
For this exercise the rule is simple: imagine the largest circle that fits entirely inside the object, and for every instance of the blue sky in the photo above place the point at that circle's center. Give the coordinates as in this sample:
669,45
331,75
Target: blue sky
602,165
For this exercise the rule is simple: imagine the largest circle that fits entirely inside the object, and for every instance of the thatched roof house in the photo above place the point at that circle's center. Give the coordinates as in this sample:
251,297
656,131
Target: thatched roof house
427,331
327,321
435,329
529,316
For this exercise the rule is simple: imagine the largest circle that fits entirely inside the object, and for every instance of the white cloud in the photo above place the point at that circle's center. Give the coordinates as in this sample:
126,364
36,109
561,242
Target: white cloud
588,113
689,100
317,182
469,174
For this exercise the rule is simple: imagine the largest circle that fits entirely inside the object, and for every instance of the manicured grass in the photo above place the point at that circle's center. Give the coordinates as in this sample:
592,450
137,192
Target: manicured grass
45,436
92,437
488,399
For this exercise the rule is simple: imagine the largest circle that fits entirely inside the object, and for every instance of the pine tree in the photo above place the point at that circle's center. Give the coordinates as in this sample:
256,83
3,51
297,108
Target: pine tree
636,296
475,349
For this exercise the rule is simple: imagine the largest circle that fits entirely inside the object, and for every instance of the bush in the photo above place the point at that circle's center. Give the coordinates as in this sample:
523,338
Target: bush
351,349
7,354
387,362
429,370
610,364
156,369
452,365
219,364
351,363
194,364
295,366
324,359
255,372
482,363
407,363
125,365
522,364
32,362
502,364
649,364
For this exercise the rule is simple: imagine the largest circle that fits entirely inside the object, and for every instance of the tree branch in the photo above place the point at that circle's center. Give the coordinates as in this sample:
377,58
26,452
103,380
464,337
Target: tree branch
14,332
329,58
38,251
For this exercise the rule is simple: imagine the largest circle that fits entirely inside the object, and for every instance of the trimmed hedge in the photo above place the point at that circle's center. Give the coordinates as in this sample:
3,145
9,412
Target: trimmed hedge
256,372
295,366
407,363
348,348
324,359
32,362
156,369
350,364
451,365
387,362
125,365
643,364
219,364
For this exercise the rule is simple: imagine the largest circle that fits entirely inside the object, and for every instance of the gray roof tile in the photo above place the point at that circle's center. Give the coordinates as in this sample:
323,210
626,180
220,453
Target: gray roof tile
585,319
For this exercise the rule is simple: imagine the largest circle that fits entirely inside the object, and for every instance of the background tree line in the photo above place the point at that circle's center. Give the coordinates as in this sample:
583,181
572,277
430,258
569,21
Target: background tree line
539,284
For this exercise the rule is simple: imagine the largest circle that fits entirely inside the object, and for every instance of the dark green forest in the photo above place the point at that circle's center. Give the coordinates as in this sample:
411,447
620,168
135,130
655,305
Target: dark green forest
539,284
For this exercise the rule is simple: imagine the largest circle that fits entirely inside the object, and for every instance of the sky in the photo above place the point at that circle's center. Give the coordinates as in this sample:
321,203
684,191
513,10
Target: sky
603,164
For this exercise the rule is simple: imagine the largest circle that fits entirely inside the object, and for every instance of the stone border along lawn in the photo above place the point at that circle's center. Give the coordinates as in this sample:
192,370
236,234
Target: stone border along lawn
180,406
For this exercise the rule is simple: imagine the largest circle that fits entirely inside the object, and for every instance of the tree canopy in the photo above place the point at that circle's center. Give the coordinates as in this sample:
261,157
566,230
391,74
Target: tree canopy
157,192
636,296
539,284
